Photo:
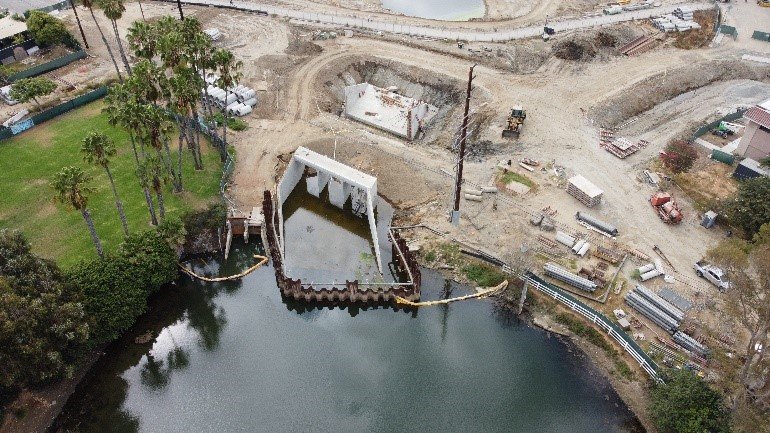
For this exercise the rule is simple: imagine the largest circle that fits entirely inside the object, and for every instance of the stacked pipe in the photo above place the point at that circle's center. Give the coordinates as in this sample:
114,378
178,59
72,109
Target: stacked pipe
650,270
655,308
691,344
238,100
561,274
565,239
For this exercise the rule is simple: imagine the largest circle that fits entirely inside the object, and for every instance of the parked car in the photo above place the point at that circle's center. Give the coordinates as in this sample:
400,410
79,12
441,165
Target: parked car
712,274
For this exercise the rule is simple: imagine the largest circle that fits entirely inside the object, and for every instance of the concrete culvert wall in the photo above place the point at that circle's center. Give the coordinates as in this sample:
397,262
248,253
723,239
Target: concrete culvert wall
441,91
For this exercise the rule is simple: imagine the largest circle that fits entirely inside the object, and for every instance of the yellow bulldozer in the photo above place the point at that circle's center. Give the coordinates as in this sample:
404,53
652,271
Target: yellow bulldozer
515,122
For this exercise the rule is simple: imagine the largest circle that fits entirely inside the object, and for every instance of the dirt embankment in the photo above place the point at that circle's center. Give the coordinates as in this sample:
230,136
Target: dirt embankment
659,88
596,44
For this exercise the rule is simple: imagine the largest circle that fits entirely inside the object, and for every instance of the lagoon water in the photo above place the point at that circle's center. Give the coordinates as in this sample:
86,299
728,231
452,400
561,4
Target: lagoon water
447,10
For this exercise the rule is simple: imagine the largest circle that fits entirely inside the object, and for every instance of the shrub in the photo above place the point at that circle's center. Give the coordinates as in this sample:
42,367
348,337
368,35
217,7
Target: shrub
115,288
679,156
686,404
483,275
430,256
751,208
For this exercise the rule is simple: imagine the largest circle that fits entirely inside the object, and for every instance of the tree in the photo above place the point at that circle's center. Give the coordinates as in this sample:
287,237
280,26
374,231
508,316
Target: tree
80,26
70,186
97,149
748,269
42,326
113,10
679,156
229,74
152,175
32,88
90,5
47,30
751,207
686,404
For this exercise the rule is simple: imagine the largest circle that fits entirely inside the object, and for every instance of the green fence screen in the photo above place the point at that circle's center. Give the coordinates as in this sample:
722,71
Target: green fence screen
48,66
708,127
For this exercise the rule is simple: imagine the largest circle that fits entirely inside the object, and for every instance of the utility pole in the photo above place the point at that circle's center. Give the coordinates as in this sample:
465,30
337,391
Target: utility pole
77,18
461,157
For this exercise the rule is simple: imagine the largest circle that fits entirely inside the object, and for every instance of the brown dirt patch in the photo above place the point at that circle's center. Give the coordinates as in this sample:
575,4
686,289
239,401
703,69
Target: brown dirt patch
697,38
709,184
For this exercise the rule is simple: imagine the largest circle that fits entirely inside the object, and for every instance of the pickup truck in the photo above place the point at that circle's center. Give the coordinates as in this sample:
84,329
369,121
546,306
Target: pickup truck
712,274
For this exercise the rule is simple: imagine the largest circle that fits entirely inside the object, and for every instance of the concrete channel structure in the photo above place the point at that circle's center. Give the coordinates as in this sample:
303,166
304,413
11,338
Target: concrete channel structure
387,110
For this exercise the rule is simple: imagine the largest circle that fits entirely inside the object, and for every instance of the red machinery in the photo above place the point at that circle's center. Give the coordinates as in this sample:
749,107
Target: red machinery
667,208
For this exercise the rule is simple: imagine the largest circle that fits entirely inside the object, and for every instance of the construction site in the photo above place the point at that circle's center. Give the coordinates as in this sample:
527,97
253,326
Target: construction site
544,158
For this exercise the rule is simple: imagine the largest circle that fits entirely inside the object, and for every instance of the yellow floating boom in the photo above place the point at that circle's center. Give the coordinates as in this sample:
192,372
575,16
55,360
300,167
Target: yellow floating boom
480,294
262,261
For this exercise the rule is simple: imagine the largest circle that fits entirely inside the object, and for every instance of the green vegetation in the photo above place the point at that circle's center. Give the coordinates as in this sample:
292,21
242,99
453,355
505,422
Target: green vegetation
679,156
483,275
686,404
32,88
510,176
233,123
47,30
578,327
59,234
430,256
751,208
42,326
115,288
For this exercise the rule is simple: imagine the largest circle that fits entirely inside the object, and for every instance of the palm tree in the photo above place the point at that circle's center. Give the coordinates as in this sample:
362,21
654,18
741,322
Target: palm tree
89,4
229,74
97,149
179,5
113,10
152,174
70,186
80,26
123,110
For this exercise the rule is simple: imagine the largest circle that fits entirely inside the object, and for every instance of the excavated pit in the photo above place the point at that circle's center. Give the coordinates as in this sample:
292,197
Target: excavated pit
443,92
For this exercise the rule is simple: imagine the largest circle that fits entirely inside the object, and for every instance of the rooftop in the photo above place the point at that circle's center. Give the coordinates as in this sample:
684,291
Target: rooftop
759,114
21,6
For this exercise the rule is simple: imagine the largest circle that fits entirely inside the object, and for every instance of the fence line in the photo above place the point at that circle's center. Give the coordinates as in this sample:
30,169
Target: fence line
49,66
708,127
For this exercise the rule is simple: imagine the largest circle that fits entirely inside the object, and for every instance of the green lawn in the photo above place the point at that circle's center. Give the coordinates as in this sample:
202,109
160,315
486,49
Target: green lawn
28,162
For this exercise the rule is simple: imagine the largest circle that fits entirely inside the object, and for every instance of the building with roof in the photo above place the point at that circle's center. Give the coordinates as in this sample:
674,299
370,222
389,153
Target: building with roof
387,110
755,143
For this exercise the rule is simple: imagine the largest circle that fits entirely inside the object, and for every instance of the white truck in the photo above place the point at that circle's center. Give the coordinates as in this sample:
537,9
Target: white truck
712,274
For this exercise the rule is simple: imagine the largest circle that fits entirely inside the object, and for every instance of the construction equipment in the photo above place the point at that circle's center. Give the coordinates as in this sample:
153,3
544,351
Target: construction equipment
515,122
667,209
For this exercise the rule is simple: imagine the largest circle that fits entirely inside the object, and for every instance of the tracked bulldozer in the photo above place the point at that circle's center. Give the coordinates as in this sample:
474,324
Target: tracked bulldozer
514,122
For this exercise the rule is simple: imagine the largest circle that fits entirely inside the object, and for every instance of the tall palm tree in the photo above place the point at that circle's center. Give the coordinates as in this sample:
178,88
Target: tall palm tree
179,5
90,5
98,148
113,10
70,186
152,174
80,26
229,73
122,109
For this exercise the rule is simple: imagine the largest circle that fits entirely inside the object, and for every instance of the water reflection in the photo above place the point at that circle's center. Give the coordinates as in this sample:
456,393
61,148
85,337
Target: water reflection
449,10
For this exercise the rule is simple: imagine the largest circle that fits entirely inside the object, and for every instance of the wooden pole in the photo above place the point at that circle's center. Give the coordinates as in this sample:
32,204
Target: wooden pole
179,5
463,134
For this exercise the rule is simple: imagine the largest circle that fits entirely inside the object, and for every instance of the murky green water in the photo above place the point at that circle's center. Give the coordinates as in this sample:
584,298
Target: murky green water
235,358
447,10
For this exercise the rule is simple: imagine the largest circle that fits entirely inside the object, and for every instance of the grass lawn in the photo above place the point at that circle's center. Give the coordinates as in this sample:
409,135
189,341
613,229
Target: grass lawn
30,160
511,176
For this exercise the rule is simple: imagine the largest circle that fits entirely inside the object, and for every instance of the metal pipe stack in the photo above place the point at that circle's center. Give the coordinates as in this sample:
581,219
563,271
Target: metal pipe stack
655,308
691,344
561,274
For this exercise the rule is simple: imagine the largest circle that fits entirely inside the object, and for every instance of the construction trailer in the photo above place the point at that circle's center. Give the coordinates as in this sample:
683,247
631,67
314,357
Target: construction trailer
585,191
515,122
666,207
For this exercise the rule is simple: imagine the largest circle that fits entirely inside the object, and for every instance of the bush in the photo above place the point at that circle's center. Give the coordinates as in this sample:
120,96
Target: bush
430,256
679,156
42,326
47,30
686,404
200,227
483,275
115,288
751,208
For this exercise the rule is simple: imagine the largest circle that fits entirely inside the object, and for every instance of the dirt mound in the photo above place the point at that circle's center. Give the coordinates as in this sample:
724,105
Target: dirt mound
574,49
654,90
700,37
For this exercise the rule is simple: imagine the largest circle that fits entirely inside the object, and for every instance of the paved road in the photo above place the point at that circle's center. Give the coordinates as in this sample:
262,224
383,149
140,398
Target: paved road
501,34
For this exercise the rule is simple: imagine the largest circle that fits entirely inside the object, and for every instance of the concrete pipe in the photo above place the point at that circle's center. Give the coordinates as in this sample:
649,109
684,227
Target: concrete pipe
472,197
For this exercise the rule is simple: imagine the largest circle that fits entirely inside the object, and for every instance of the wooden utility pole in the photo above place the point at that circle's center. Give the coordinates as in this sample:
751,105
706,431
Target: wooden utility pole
77,18
461,156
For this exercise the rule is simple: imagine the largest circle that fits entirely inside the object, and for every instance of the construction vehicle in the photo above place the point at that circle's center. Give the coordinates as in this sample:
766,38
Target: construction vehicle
667,209
515,122
712,274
